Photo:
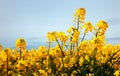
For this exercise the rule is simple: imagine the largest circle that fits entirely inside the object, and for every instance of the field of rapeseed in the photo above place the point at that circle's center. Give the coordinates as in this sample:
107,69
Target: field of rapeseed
73,54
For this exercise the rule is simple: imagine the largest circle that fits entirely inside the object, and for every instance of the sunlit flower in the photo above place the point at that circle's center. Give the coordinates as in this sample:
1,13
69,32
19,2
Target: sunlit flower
51,36
102,27
102,24
88,27
62,36
80,14
20,43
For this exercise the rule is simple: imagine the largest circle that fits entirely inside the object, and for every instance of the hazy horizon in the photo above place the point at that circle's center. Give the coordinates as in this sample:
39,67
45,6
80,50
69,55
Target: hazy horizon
35,43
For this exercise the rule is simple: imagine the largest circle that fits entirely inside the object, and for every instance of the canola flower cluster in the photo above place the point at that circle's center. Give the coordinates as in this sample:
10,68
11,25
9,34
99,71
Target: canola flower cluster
73,54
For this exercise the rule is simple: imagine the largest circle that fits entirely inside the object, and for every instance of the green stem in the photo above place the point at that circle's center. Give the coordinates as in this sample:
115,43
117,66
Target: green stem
62,53
83,37
62,44
97,32
60,47
77,46
78,24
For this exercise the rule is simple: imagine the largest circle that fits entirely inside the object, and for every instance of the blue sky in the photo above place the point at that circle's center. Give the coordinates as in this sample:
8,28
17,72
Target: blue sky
32,19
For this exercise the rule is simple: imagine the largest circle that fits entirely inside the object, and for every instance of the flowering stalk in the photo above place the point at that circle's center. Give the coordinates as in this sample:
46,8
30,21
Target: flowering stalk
62,54
60,47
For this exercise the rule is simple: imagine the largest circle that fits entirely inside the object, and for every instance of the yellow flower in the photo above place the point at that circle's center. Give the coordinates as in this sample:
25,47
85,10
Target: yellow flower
81,60
20,43
1,47
52,52
3,56
21,62
51,36
76,33
88,27
42,51
80,12
98,41
102,24
43,73
75,36
8,50
117,73
87,57
62,36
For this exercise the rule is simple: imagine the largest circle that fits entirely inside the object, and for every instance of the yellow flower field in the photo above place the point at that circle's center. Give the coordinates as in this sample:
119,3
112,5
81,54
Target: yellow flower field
73,54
